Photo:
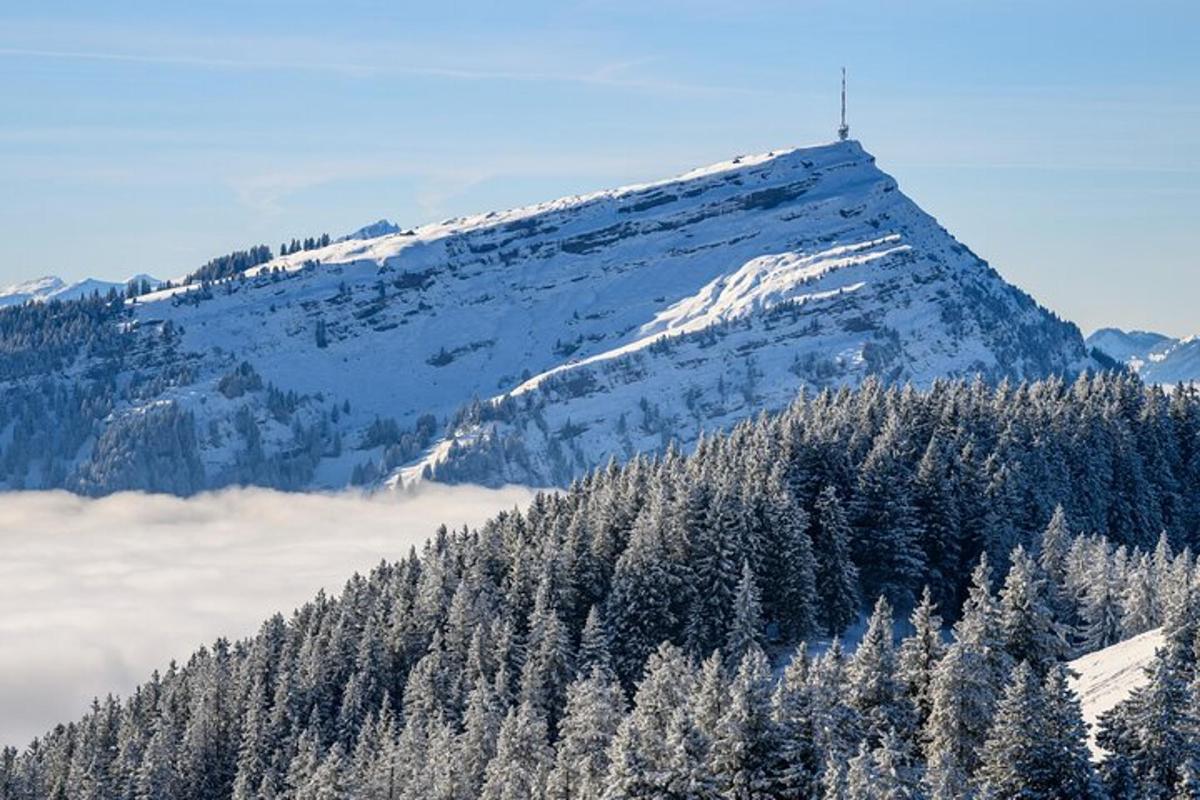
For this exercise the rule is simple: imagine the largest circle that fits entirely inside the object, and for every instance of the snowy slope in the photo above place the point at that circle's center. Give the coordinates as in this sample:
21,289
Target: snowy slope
1155,357
1107,676
52,287
546,339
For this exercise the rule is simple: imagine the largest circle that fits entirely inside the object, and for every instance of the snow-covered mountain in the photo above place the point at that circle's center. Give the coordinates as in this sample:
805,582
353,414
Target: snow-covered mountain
52,287
529,345
1155,357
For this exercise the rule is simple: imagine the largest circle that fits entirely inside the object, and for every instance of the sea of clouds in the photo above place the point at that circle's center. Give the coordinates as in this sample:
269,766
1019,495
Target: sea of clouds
95,594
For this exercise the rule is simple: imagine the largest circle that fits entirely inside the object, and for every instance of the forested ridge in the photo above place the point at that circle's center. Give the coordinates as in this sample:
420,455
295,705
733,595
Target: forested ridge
642,633
82,407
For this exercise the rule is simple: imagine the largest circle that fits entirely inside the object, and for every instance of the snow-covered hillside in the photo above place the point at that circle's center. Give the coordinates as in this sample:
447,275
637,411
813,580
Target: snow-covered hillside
52,287
529,345
1106,677
1153,356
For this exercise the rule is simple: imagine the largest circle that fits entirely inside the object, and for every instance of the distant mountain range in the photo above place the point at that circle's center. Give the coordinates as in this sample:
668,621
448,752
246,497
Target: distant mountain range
52,287
1153,356
520,346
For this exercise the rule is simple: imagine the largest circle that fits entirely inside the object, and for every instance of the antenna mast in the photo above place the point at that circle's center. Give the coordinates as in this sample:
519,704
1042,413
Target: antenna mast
843,129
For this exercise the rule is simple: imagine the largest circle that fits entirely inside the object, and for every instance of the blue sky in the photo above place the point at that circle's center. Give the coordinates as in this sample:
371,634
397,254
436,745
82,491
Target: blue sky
1058,139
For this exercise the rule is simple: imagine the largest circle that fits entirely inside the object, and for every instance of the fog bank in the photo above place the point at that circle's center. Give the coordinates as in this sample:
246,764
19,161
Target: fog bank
95,594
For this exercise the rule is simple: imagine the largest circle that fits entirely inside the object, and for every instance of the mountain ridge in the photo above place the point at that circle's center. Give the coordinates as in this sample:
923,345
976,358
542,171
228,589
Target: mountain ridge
52,287
532,344
1155,357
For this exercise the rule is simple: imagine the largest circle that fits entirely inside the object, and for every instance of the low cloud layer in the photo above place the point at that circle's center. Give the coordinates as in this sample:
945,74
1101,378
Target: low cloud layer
95,594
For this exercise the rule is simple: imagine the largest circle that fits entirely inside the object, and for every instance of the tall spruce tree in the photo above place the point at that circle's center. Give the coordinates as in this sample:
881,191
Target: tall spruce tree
875,691
1027,623
594,710
744,753
644,747
523,757
919,655
1014,761
1069,771
837,575
888,533
964,692
746,627
800,760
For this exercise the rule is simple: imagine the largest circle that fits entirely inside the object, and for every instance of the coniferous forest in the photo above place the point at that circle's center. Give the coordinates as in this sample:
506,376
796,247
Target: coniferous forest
671,628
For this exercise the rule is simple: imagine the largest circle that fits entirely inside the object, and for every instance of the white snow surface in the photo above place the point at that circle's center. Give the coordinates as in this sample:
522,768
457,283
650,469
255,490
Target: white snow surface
606,324
1106,677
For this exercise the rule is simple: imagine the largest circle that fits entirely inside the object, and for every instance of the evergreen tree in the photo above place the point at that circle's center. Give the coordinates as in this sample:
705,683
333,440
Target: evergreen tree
157,777
1101,606
939,506
328,780
834,779
594,711
874,689
1138,602
372,771
709,698
964,692
643,596
1026,619
746,627
1189,782
837,575
715,564
1069,771
887,531
800,759
919,656
549,665
789,566
744,750
594,650
1013,761
838,724
1053,556
644,747
475,747
861,778
894,775
303,766
686,773
523,757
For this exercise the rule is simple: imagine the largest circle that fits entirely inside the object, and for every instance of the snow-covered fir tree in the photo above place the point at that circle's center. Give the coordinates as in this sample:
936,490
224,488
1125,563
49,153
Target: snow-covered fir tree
660,629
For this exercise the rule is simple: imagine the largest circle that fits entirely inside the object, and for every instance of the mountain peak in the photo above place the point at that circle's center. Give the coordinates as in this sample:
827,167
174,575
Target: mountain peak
381,227
32,287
